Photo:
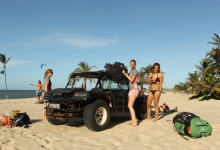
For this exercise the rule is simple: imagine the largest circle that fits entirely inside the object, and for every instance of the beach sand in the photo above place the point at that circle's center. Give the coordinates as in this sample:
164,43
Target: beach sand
75,136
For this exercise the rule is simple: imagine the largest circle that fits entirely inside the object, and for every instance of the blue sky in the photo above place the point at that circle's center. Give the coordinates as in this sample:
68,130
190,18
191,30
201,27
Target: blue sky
61,34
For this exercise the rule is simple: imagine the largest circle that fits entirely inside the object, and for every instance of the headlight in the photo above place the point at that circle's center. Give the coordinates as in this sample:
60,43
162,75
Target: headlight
57,106
80,94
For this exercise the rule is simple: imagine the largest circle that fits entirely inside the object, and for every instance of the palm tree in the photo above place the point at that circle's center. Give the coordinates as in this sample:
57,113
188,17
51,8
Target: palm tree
147,70
83,67
193,80
208,75
204,67
216,39
214,54
180,87
210,82
4,61
142,78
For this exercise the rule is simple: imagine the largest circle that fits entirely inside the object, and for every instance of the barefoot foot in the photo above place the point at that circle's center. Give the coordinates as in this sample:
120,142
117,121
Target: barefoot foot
147,119
133,124
155,120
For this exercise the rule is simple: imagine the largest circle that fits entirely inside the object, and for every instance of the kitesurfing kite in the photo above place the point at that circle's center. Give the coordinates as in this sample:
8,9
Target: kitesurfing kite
2,72
42,65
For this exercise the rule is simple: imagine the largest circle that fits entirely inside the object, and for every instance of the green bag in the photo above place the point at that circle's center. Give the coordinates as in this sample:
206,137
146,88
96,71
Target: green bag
180,126
200,127
186,123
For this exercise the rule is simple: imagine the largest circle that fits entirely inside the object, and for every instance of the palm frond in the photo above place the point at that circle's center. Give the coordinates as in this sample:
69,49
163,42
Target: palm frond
92,67
78,70
216,35
2,58
216,40
8,60
214,43
84,66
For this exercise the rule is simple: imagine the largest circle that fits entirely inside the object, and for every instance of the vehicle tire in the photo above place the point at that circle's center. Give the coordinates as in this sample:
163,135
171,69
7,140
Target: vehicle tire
55,121
141,110
97,116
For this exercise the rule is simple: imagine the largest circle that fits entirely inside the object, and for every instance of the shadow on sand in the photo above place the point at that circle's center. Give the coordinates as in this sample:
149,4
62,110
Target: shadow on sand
36,120
115,120
163,114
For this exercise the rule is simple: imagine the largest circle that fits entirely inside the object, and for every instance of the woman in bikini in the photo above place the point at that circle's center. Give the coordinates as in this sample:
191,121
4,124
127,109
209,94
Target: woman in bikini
133,93
155,79
39,89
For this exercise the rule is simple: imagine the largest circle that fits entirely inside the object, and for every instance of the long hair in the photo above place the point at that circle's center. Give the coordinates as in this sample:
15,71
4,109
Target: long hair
47,71
156,64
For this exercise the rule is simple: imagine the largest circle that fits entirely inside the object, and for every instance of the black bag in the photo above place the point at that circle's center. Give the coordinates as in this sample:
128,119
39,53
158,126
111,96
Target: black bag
20,120
26,118
115,70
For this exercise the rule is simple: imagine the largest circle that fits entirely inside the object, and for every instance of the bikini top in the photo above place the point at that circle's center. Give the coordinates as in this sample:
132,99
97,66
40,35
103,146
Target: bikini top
40,87
157,79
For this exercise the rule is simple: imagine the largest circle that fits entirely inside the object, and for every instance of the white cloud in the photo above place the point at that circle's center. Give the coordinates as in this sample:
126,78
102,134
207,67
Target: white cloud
83,41
80,41
16,63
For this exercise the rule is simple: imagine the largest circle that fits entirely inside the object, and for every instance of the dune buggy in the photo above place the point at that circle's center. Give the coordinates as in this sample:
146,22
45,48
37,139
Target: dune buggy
96,105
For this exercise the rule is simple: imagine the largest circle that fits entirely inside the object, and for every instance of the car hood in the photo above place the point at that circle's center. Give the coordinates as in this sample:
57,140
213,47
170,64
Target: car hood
65,90
61,93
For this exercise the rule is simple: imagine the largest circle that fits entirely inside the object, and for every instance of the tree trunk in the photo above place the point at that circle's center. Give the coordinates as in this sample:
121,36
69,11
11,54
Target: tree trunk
84,84
142,86
6,84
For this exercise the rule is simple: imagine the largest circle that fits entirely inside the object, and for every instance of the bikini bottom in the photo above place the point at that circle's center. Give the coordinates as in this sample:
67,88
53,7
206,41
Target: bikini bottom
153,91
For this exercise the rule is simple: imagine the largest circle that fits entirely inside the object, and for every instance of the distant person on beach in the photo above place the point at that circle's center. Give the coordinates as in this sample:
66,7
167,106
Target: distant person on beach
133,93
47,87
189,89
39,89
155,79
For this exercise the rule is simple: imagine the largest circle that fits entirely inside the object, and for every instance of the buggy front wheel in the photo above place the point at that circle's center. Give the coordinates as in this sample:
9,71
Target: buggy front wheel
55,121
97,116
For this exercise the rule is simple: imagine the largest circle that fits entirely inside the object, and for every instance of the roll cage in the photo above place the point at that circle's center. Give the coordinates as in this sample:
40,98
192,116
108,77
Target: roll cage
101,76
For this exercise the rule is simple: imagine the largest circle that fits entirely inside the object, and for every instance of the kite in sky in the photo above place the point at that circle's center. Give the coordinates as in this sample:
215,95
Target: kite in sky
42,65
2,72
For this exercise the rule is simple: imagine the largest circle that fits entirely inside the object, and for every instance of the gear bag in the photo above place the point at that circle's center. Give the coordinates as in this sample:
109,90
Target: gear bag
164,108
186,123
20,119
115,70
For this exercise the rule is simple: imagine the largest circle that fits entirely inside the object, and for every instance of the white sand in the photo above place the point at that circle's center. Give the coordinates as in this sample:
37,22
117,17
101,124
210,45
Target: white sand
75,136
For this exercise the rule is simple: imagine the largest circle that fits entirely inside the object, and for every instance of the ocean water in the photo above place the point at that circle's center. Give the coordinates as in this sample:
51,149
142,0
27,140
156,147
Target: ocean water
17,94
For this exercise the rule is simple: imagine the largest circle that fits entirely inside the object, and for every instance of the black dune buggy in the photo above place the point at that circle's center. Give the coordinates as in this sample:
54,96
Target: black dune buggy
95,106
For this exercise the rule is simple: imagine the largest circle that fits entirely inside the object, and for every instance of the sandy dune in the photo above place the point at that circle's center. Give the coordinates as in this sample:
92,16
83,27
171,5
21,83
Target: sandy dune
74,135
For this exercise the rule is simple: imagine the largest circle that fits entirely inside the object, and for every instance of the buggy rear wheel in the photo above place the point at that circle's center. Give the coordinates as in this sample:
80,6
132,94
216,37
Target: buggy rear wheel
141,110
